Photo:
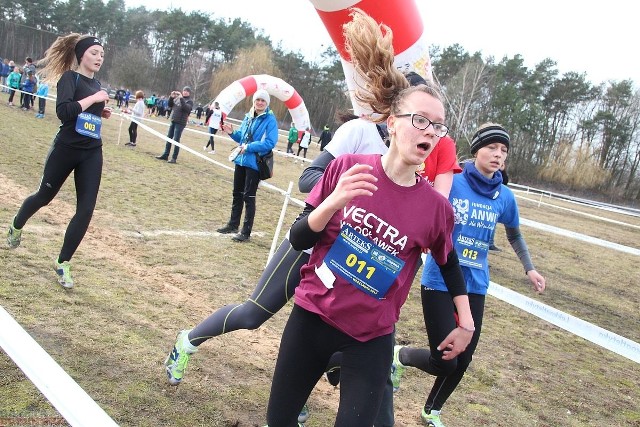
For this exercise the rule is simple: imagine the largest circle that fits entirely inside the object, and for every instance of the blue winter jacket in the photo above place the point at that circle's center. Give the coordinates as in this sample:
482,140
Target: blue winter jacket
262,138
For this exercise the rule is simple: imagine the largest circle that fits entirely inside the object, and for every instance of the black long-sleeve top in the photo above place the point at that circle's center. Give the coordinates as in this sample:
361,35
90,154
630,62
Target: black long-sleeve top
72,87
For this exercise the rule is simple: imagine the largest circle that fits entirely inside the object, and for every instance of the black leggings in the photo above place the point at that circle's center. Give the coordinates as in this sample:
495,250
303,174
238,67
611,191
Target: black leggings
275,287
438,309
133,132
306,347
212,131
87,172
245,187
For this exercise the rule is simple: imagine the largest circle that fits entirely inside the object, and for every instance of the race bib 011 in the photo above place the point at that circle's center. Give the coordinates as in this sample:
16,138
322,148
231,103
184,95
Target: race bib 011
362,263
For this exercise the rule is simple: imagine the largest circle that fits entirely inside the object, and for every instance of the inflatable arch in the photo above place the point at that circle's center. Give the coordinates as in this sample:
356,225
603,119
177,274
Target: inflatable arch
402,16
247,86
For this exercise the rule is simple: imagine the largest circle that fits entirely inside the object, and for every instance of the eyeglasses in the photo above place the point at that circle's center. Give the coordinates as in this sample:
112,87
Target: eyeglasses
421,122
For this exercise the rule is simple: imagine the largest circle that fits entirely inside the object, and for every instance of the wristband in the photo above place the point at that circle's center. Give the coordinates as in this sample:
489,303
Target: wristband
472,330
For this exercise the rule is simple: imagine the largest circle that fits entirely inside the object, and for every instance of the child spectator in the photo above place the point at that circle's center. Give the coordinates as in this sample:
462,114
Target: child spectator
28,88
137,112
43,92
13,81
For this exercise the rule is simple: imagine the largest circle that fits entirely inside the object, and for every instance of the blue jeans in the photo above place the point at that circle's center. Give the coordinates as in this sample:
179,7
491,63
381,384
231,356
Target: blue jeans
175,132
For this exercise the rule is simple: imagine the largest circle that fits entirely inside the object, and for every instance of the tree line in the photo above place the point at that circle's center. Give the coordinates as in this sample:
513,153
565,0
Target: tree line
567,132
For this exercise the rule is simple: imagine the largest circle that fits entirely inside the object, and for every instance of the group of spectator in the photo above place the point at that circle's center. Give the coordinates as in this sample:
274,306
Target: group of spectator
122,97
304,139
23,79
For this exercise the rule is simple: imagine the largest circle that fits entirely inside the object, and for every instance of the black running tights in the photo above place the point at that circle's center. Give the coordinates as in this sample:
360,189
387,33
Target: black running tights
86,166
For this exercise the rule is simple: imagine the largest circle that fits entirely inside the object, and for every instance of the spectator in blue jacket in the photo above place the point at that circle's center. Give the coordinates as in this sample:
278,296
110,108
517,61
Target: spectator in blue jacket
42,93
29,88
258,134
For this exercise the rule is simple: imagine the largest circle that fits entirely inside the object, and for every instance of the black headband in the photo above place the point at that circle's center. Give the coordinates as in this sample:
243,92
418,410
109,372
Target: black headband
84,44
485,136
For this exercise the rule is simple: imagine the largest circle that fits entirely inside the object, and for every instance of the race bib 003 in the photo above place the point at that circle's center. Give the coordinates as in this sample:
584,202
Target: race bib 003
89,125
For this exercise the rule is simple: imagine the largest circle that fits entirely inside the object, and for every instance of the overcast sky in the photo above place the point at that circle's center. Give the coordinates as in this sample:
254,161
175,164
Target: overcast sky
583,36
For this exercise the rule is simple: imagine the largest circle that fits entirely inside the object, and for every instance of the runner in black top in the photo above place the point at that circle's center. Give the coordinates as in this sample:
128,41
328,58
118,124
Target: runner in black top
77,147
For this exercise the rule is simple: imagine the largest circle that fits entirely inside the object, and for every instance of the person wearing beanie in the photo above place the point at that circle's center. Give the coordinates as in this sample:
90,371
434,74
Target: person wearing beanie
257,136
325,137
181,105
72,61
262,94
480,201
488,134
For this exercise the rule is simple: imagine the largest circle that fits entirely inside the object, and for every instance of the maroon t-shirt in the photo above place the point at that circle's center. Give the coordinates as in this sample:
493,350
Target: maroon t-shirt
402,220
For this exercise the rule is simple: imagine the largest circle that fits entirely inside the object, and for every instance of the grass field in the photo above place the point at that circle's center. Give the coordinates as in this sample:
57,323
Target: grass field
151,264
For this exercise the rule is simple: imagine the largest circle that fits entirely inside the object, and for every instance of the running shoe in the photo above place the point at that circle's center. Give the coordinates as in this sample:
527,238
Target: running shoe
14,236
63,270
304,414
397,368
432,419
176,362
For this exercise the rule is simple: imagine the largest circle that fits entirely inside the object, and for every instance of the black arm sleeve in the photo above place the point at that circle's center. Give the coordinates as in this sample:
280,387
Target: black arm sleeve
452,275
66,108
301,236
311,175
520,247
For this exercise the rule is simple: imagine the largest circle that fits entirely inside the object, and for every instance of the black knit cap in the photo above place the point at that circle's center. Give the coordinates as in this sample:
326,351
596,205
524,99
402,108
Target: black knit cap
83,44
415,79
488,135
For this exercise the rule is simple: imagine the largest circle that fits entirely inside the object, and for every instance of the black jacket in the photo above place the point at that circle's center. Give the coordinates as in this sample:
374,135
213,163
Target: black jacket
180,109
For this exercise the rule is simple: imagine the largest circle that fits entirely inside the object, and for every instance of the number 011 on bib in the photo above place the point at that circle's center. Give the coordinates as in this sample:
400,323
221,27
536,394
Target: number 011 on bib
362,263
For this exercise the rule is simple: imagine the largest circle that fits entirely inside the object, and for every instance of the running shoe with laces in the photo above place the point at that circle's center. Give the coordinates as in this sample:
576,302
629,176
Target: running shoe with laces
14,236
176,362
432,419
397,368
63,270
304,415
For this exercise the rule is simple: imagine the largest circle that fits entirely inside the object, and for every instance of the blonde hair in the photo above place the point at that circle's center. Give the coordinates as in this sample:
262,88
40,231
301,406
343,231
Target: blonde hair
139,94
60,56
370,46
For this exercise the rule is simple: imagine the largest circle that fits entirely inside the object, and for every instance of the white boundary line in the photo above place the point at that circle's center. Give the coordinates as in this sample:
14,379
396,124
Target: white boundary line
71,401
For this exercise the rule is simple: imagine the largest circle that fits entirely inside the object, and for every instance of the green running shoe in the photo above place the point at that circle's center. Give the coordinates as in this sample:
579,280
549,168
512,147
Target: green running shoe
304,414
14,236
63,270
432,419
176,362
397,368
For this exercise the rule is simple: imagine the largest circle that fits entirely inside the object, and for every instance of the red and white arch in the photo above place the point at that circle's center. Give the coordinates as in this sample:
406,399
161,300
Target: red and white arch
402,16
